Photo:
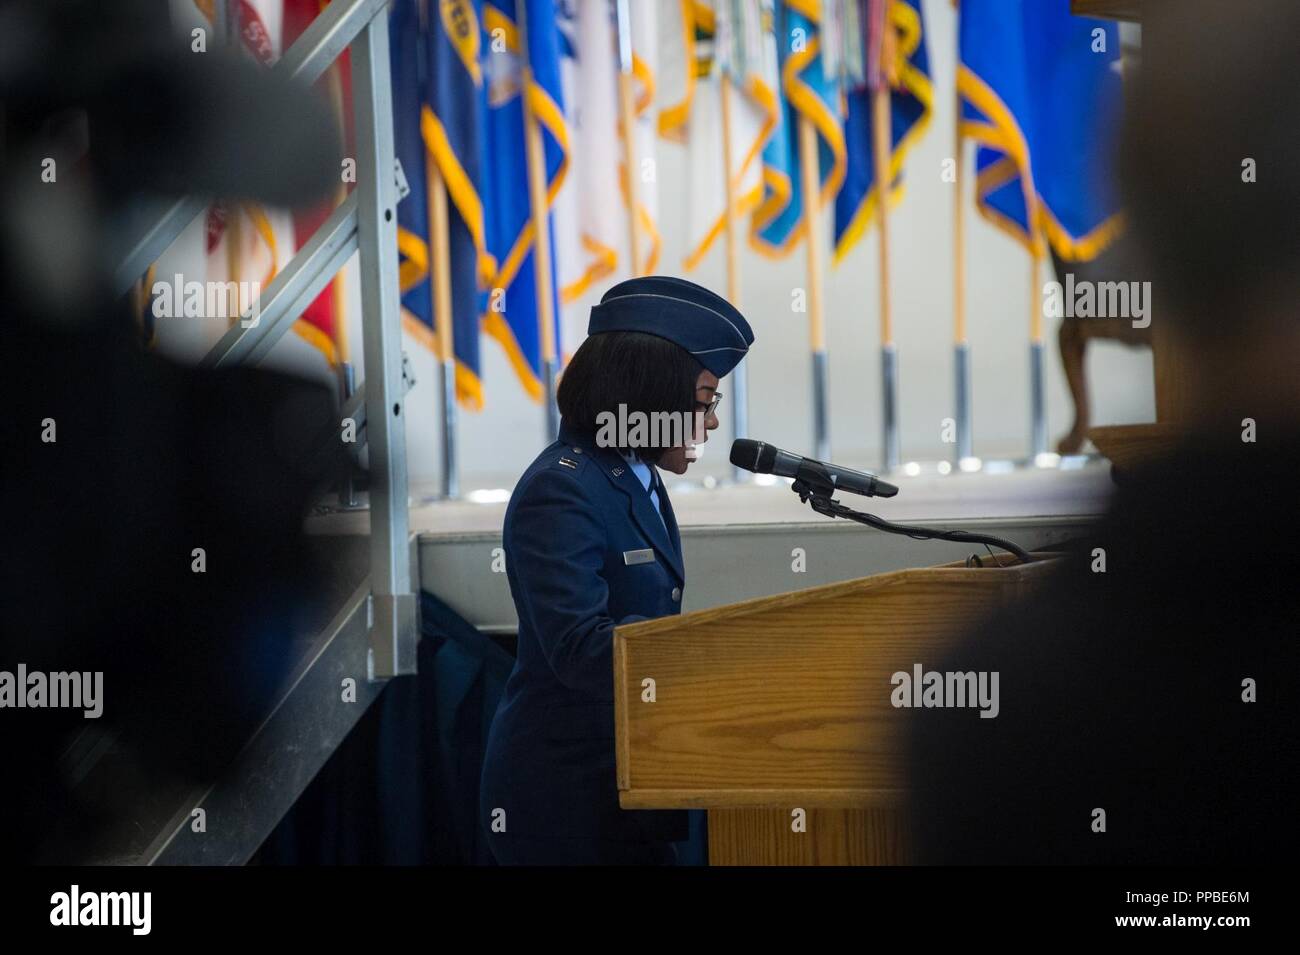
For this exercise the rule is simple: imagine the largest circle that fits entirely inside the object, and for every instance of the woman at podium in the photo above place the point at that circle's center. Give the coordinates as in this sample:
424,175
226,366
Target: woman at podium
591,542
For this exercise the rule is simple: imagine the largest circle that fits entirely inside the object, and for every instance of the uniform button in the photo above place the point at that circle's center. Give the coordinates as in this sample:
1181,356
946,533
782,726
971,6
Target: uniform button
577,450
677,594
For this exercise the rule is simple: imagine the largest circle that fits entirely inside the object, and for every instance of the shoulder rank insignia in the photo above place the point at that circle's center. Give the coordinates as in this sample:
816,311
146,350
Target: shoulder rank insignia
568,464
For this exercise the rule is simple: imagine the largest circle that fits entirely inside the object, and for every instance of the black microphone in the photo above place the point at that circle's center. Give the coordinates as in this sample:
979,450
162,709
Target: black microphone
762,458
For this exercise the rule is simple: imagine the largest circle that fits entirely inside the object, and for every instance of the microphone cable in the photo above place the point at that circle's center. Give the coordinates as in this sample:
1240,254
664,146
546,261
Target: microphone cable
823,504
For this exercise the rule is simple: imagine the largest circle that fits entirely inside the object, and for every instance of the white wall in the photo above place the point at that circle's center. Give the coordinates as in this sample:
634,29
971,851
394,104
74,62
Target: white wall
497,444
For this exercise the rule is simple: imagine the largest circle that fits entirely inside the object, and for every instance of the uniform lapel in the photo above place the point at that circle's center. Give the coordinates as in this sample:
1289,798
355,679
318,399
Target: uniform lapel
666,509
643,512
620,474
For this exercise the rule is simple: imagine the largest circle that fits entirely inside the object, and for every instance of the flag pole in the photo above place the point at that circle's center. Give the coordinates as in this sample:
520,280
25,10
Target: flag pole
440,294
227,25
739,375
811,196
881,131
234,247
961,343
1037,391
347,380
440,299
340,196
536,159
628,110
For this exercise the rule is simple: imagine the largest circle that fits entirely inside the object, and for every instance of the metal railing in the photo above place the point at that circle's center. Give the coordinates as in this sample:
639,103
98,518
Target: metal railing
365,223
375,633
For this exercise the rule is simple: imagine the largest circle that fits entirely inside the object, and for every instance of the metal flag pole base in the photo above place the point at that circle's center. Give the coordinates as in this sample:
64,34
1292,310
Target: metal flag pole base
550,372
1038,410
821,414
450,464
961,370
889,405
740,414
347,388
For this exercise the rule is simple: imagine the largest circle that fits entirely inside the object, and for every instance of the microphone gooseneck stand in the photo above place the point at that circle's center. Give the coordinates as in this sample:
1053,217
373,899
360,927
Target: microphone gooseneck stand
818,497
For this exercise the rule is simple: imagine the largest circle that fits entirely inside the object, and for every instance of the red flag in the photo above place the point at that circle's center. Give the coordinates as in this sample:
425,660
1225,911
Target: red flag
323,322
242,237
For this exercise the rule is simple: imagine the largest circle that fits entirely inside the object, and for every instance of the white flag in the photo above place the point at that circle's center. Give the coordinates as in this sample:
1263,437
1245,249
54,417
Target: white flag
645,69
706,41
592,235
248,242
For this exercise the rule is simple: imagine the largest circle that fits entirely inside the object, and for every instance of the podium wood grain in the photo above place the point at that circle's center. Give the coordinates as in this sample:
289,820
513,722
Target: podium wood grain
783,703
830,837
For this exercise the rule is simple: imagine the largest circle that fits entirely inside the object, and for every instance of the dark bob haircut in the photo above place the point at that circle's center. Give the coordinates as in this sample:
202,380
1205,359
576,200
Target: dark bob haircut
644,373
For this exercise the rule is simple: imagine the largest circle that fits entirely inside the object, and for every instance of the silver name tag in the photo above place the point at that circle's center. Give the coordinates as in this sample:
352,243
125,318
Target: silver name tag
646,556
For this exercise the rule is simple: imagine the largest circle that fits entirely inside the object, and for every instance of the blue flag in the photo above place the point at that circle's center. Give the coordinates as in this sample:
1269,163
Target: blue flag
511,315
806,91
452,124
1041,94
910,101
439,102
406,57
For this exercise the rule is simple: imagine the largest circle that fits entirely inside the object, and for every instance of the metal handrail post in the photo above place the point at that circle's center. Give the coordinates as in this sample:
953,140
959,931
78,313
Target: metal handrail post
394,634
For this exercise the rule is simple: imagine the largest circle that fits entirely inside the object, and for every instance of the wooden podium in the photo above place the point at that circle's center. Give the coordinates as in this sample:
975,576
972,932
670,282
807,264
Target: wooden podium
767,707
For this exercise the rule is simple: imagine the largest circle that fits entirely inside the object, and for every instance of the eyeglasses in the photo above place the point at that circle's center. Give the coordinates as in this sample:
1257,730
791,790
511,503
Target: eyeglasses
709,405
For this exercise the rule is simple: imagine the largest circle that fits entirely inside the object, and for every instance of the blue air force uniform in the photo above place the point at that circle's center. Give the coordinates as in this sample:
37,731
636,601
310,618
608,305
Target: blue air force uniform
587,549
